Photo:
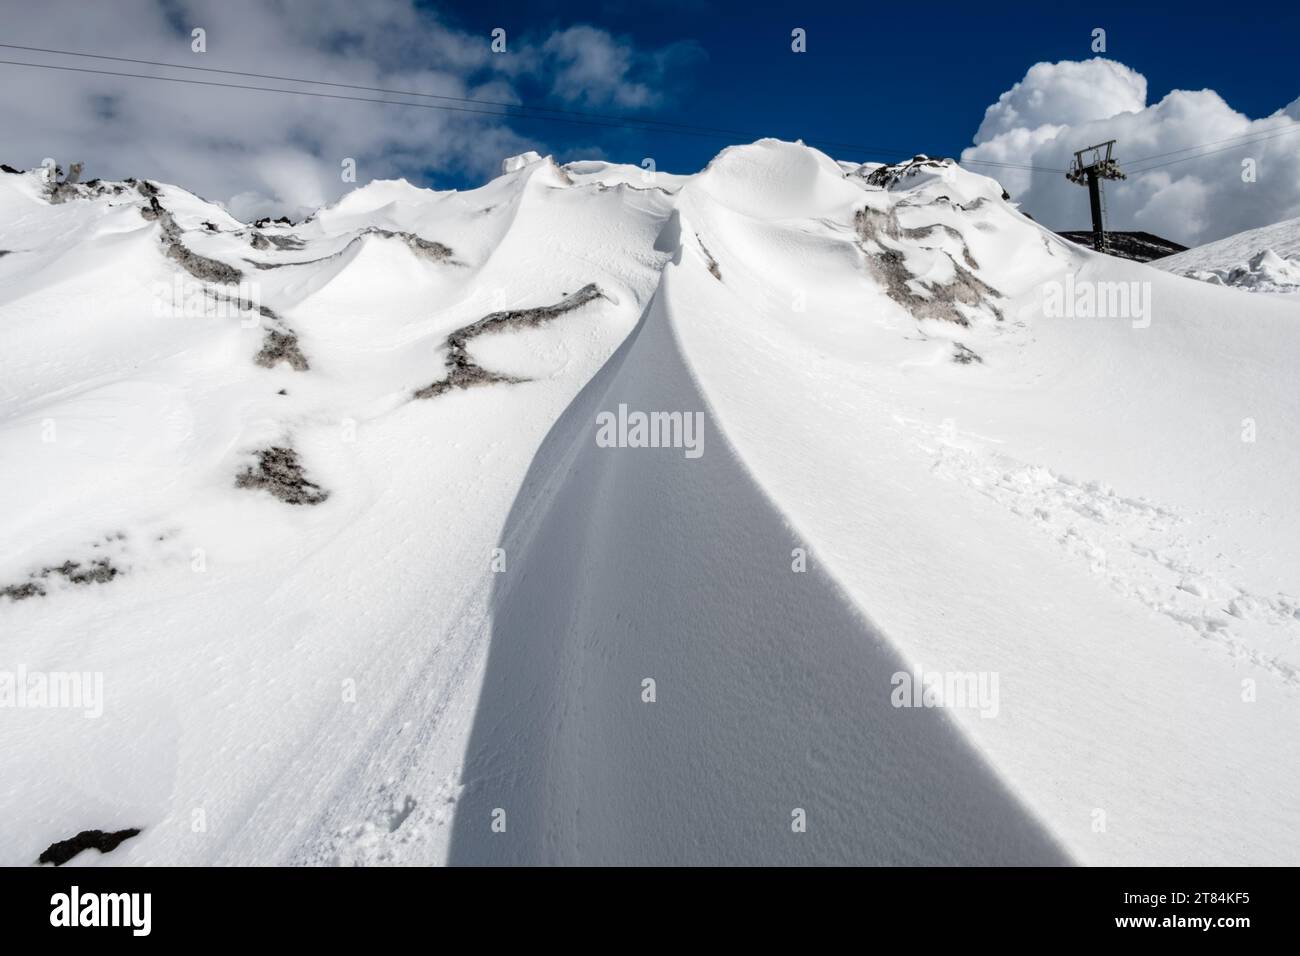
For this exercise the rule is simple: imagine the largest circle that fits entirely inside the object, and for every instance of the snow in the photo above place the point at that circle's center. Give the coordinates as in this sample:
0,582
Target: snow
1264,272
513,164
1257,260
1098,513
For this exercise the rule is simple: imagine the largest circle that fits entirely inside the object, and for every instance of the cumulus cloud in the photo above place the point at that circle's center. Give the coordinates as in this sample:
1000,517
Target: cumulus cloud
1060,107
269,153
1065,94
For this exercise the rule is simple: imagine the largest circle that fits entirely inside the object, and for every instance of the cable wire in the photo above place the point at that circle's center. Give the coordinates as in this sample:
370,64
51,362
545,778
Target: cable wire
502,109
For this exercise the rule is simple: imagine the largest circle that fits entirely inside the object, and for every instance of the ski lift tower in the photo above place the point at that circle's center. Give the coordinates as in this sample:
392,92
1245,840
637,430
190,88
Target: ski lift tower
1091,165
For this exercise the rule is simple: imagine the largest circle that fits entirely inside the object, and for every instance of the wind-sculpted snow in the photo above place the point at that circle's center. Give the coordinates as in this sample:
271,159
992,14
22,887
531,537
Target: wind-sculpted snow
1266,259
767,683
358,627
1265,271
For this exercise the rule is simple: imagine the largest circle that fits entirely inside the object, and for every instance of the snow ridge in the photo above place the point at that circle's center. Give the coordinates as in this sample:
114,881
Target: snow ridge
492,639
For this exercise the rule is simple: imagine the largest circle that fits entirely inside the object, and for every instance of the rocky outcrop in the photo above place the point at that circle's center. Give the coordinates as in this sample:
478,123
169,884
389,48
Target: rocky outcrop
279,472
464,372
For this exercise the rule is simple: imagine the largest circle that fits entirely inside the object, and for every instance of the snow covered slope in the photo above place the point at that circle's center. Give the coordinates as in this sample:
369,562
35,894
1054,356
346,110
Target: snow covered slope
331,509
1257,260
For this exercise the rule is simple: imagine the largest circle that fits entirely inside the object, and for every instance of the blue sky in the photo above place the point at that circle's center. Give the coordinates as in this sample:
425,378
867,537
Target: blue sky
1013,83
910,77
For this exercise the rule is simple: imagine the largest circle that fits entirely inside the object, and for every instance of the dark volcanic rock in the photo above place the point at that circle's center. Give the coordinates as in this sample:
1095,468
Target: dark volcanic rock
280,347
63,851
1138,246
99,571
892,174
279,472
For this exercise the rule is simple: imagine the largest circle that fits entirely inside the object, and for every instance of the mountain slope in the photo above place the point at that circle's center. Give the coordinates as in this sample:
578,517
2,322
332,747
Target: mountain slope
907,465
1257,260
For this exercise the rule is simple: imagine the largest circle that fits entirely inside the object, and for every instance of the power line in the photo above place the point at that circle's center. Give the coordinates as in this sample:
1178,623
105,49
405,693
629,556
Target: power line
1230,139
368,89
526,112
520,110
1023,166
1212,152
341,96
508,110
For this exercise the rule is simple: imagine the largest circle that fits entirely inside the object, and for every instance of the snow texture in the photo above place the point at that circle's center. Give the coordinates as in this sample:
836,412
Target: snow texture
339,624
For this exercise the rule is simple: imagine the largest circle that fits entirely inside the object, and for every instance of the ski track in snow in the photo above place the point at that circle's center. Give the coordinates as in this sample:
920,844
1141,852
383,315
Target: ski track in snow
1134,545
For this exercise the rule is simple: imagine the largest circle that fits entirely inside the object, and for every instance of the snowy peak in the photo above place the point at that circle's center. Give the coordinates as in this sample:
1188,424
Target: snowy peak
378,194
941,245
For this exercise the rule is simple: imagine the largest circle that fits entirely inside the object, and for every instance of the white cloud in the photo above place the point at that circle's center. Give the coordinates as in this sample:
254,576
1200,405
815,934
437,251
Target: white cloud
1060,107
594,68
1065,94
268,153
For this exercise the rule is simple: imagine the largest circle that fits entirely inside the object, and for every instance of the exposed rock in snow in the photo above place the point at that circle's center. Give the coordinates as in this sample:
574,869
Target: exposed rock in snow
96,571
280,347
639,655
105,842
464,372
261,242
201,267
1128,244
70,188
711,262
426,248
889,175
279,472
919,274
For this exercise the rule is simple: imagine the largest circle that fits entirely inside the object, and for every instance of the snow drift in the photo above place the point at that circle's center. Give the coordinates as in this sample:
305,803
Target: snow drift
378,594
1257,260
